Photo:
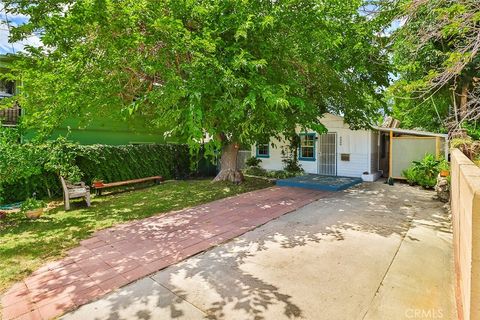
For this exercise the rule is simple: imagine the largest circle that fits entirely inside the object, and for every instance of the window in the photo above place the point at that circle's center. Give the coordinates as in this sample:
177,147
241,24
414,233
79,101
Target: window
307,147
7,88
263,150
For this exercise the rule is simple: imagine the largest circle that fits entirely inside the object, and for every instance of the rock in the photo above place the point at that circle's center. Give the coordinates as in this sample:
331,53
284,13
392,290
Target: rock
443,189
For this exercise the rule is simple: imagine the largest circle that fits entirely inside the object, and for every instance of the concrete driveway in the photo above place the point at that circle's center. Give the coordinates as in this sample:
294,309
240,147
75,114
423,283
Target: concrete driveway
372,252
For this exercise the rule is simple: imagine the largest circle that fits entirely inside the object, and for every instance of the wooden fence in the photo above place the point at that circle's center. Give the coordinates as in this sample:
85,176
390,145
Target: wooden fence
465,202
10,116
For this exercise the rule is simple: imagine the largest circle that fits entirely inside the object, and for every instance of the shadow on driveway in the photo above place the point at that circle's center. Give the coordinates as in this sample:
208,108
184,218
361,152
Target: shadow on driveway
371,252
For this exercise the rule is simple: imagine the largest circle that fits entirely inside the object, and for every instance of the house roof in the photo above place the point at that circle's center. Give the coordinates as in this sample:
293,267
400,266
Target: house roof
411,132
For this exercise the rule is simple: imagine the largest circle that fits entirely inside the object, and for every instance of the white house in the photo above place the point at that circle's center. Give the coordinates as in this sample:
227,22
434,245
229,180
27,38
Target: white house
340,152
368,154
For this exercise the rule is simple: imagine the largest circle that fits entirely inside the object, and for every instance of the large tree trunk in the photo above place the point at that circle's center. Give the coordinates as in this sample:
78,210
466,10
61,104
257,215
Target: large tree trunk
228,163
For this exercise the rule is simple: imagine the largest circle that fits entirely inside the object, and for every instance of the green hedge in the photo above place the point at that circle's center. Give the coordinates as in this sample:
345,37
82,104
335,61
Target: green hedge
110,163
43,185
118,163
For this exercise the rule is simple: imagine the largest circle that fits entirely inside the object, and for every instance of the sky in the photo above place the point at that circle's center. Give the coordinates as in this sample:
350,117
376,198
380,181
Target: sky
13,20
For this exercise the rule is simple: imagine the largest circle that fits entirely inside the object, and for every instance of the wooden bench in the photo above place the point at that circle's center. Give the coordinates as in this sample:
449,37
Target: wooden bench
99,189
71,191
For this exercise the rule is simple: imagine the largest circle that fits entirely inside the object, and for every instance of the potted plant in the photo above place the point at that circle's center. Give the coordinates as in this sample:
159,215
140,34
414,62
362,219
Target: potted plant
97,182
444,173
32,208
444,168
370,177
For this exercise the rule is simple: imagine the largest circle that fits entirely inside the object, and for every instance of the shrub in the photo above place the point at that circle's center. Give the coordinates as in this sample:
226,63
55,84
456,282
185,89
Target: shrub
290,156
472,129
256,171
274,174
411,175
443,165
38,165
468,146
281,174
18,164
425,172
292,165
31,204
253,162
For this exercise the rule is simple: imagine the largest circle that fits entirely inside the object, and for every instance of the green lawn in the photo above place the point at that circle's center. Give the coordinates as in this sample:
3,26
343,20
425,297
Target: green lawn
27,244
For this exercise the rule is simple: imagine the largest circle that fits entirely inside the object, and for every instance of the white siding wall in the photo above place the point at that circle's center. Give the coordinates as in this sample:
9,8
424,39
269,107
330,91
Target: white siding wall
274,162
356,143
309,166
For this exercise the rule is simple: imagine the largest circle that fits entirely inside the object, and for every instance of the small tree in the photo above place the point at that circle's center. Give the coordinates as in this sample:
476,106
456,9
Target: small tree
436,52
21,161
290,155
237,71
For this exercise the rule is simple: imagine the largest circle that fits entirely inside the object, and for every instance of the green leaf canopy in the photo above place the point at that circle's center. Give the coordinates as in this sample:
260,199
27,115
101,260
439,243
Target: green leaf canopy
238,69
436,55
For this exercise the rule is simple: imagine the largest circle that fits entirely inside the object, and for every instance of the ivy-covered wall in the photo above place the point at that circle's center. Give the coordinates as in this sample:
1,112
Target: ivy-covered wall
110,163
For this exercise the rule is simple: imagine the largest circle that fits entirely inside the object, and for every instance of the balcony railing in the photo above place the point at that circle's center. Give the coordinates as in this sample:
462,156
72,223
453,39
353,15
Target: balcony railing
10,116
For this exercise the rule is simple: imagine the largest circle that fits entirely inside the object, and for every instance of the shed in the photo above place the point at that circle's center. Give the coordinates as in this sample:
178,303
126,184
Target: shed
399,147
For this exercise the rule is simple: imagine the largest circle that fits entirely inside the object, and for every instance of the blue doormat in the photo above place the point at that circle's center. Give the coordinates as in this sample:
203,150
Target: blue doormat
318,182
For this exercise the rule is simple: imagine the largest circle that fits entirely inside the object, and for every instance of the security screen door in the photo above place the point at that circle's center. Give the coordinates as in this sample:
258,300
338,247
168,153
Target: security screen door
327,154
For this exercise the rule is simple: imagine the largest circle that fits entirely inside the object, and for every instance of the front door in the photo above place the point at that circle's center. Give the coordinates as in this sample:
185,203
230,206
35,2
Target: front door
327,154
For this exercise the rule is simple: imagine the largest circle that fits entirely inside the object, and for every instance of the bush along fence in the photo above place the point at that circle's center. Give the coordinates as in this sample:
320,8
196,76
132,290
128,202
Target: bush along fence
43,163
424,173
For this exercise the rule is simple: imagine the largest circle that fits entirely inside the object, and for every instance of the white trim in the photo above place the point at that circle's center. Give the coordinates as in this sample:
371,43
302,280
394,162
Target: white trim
412,132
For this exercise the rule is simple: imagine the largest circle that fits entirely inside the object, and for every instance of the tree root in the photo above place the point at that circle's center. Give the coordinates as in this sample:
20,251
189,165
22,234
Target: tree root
231,175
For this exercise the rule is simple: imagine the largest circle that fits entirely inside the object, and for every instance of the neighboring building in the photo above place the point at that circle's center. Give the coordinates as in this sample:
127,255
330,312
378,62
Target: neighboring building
10,116
102,129
109,130
352,153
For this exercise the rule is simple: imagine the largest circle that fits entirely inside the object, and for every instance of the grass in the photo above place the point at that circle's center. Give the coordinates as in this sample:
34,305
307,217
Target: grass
27,244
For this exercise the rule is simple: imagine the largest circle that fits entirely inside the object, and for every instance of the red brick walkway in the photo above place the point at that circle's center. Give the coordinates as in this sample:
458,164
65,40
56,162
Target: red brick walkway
114,257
